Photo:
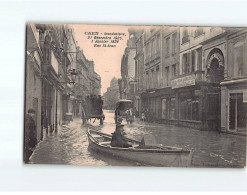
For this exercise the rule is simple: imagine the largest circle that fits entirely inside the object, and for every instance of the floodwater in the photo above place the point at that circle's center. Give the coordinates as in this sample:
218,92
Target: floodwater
70,144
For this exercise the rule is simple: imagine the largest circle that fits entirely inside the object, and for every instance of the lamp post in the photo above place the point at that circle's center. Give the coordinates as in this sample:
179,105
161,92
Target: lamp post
73,74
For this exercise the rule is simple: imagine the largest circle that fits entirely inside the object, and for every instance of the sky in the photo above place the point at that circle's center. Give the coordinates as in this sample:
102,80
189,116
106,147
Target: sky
107,60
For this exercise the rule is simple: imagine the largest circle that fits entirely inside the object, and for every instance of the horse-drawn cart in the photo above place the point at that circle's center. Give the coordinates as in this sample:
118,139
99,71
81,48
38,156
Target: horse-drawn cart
92,109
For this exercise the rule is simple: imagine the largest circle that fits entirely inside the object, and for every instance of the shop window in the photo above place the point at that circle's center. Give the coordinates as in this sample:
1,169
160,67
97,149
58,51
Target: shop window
168,108
164,110
189,109
172,109
237,112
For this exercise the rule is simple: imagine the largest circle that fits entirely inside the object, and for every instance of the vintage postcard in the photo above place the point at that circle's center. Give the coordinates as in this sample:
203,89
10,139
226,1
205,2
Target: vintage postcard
115,95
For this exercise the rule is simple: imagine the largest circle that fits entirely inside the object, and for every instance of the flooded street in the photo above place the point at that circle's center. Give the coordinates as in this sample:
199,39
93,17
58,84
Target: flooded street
70,144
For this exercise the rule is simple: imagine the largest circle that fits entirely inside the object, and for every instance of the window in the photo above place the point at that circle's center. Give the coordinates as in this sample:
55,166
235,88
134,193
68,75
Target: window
167,46
174,70
189,108
167,75
153,47
146,52
174,37
199,59
152,78
198,31
158,44
185,63
137,73
239,69
193,60
185,35
147,79
157,76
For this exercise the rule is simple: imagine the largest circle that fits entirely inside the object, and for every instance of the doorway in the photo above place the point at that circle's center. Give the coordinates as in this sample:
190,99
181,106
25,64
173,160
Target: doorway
237,113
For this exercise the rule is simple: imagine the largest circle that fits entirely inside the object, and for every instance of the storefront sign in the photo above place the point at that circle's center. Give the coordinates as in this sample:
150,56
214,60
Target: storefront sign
244,96
183,81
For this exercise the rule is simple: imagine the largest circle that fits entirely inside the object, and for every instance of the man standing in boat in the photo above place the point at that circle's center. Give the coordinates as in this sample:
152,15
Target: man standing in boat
118,138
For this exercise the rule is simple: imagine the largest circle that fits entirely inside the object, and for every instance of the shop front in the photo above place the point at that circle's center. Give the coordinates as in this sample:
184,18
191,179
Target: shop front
159,105
189,107
234,105
197,103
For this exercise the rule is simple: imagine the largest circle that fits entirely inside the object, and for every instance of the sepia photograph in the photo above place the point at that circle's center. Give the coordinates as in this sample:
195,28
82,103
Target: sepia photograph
122,95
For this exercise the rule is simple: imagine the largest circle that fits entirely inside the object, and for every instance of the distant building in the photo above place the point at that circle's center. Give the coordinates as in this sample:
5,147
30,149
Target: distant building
128,67
112,95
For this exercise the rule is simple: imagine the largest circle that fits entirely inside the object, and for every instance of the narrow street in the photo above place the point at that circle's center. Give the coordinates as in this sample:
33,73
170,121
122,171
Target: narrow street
70,145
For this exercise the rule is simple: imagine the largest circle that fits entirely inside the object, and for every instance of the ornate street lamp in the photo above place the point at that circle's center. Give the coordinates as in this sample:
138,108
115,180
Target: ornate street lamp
73,74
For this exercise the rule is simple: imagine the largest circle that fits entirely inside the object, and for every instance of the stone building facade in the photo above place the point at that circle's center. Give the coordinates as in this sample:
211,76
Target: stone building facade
52,58
192,76
112,95
234,85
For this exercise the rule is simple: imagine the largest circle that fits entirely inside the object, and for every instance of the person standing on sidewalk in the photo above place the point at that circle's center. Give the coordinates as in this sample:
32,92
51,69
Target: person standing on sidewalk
30,139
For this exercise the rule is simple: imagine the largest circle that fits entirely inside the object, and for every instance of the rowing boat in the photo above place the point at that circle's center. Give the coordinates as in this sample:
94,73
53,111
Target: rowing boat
155,156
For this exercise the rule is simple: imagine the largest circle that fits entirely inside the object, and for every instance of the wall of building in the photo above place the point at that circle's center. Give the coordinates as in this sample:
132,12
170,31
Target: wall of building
33,93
